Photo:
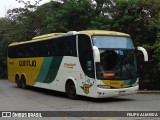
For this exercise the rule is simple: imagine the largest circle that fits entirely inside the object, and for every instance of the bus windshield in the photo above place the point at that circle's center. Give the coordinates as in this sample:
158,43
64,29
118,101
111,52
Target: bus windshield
117,57
113,42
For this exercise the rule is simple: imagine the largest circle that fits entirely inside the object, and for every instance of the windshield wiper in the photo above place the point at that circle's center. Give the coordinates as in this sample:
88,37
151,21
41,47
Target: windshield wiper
123,63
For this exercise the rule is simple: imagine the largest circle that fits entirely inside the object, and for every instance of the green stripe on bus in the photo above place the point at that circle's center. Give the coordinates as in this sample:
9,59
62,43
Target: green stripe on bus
53,70
126,82
49,69
44,69
130,82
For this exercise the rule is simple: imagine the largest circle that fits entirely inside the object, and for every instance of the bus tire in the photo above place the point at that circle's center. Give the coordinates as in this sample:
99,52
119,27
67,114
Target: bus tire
71,90
23,80
18,81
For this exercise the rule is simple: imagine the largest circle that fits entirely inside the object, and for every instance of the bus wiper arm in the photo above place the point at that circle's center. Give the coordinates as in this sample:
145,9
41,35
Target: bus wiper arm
128,70
122,63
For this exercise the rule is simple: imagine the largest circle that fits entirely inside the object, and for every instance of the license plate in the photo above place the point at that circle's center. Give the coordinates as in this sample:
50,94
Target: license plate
122,92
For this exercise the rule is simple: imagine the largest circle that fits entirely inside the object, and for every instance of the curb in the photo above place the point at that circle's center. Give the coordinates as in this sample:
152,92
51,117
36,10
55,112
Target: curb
148,92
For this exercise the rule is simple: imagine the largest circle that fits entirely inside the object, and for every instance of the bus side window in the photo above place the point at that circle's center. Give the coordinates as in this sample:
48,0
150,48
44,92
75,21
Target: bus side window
26,50
55,47
64,46
61,47
70,46
46,50
42,49
67,49
33,50
20,52
73,46
86,55
12,52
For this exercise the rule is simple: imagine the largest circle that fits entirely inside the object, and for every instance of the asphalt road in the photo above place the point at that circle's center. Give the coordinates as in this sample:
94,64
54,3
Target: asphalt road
36,99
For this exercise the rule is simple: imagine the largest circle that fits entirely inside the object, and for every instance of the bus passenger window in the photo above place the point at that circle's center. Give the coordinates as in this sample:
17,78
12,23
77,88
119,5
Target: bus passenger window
67,49
86,55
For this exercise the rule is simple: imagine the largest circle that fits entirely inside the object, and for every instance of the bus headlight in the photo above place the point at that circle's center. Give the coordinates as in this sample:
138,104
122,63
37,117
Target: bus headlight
103,86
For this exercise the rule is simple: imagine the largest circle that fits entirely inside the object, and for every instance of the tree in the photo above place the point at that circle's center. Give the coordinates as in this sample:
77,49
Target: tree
73,15
5,40
47,13
26,22
141,19
155,27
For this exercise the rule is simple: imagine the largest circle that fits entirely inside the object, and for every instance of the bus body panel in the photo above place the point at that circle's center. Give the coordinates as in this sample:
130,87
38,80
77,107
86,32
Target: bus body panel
24,66
38,75
70,69
104,93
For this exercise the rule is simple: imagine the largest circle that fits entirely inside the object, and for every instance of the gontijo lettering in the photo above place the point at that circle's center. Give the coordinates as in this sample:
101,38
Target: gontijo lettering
27,63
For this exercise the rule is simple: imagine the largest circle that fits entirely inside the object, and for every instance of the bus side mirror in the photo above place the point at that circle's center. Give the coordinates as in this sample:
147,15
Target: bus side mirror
96,54
144,53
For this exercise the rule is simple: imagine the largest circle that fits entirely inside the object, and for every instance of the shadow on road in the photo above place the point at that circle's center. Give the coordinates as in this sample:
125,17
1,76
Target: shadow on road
82,98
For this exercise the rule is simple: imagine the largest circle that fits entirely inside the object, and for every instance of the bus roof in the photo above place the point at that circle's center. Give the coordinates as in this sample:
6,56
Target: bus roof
46,36
89,32
38,38
103,32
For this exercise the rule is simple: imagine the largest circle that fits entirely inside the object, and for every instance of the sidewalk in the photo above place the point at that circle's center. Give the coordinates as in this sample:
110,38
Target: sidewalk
149,91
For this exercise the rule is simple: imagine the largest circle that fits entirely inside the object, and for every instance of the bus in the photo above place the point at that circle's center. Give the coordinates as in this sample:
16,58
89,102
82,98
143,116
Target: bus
92,63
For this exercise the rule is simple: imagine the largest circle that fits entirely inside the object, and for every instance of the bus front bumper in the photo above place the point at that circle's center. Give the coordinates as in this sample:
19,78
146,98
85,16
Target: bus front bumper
104,93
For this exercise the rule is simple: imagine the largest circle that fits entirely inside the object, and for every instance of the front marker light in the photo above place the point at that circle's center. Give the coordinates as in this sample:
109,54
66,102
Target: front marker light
109,74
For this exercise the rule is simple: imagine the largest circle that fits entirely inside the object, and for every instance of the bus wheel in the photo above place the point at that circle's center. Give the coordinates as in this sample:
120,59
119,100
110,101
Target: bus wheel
18,81
71,90
23,80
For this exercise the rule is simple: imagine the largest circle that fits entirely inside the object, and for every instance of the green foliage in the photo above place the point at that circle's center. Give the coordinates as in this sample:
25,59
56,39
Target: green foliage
72,15
5,40
130,18
155,28
100,22
141,19
45,15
